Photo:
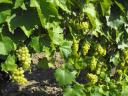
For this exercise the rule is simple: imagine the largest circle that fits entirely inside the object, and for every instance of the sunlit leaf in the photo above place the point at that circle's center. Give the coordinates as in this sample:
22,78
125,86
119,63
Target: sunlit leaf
64,77
9,64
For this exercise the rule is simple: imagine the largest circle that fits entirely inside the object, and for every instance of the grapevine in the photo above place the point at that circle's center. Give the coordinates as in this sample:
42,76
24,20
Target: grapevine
86,39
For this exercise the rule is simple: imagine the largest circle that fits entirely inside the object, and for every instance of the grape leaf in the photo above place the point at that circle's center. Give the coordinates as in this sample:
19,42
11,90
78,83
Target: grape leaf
91,13
35,43
18,3
115,59
105,6
55,32
6,45
3,50
62,5
46,11
5,1
9,64
124,91
122,45
77,90
122,8
114,22
64,77
23,20
3,15
65,48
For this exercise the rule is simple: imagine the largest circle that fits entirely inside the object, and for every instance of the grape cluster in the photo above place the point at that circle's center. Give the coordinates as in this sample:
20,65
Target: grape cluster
85,48
24,57
93,78
75,48
98,70
100,50
125,53
18,76
93,63
84,25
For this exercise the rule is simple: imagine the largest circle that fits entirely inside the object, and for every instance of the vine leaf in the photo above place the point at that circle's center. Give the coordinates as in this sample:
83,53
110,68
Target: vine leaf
3,50
113,22
5,1
124,90
46,11
22,21
122,45
55,32
35,43
122,8
62,5
105,6
64,77
19,3
6,45
115,59
91,12
77,90
65,48
3,15
9,64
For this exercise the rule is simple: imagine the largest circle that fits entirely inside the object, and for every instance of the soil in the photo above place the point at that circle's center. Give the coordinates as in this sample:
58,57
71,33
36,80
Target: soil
40,83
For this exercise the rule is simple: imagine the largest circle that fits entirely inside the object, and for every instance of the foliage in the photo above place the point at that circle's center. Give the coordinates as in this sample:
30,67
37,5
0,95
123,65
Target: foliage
90,35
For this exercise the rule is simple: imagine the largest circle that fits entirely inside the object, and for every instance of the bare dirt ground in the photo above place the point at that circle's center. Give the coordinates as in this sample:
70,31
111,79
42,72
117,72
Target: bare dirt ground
41,83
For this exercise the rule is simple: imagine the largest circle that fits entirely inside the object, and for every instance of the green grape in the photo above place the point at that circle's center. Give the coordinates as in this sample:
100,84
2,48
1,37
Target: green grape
84,25
93,78
85,48
18,76
24,57
100,50
93,63
75,48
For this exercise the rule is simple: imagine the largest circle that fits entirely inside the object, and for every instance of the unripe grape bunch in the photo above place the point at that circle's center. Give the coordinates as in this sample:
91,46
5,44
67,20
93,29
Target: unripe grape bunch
24,57
93,78
85,48
18,76
75,47
125,54
100,50
93,63
84,25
